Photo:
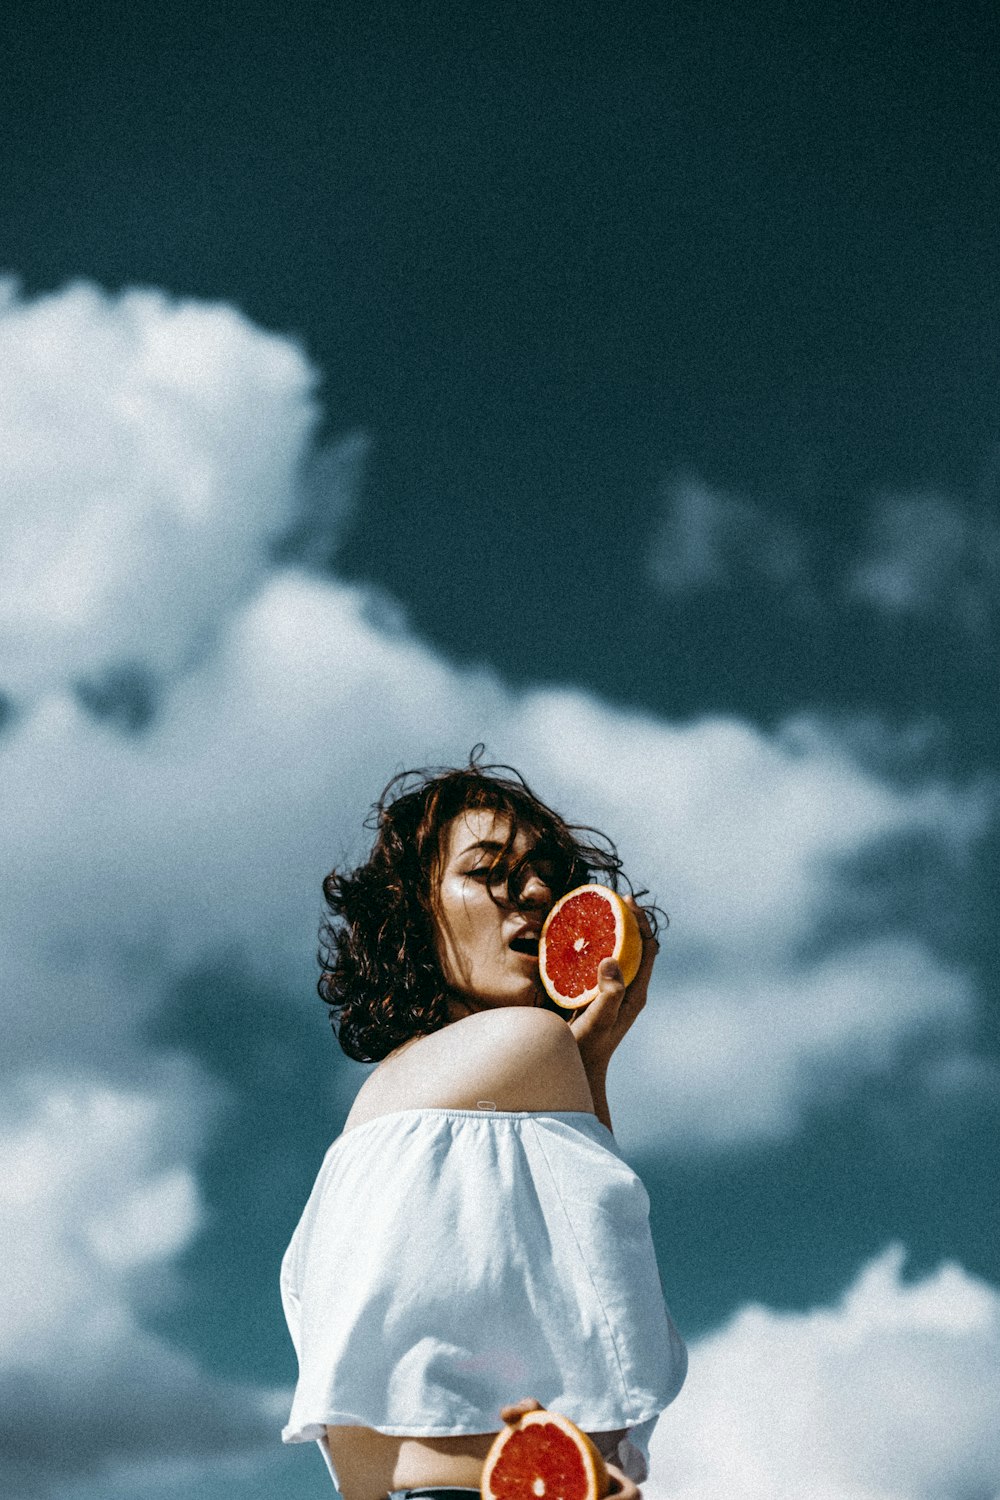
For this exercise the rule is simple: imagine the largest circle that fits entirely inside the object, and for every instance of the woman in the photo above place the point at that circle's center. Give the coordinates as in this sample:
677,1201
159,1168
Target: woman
474,1231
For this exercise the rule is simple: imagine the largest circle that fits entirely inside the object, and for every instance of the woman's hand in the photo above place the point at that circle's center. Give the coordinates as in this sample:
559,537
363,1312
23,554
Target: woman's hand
600,1026
621,1487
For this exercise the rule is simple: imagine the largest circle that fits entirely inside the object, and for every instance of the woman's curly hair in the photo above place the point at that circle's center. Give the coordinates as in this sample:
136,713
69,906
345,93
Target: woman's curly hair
381,976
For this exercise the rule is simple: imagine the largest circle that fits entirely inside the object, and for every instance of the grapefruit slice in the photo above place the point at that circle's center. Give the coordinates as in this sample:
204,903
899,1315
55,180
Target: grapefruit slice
544,1456
586,925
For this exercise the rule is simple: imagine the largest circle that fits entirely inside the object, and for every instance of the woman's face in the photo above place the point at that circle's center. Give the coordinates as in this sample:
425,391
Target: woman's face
487,946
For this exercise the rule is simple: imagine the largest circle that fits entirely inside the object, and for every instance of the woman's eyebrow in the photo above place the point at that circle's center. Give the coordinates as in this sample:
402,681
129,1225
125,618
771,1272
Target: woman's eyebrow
489,846
492,846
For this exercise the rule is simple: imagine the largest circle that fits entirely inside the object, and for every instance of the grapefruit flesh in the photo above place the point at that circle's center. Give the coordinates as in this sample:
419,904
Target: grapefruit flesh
544,1457
584,927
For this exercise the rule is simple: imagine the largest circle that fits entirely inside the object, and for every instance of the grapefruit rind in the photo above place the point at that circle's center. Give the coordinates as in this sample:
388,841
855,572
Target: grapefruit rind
597,1481
627,949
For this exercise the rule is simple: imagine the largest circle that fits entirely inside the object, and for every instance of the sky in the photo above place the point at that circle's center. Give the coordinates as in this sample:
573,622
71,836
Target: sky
618,390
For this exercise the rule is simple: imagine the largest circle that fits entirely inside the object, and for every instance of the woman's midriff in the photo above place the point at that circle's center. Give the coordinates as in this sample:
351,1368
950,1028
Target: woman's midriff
369,1464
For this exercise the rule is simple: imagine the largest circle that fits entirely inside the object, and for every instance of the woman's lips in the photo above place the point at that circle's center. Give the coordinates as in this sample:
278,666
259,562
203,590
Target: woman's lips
526,944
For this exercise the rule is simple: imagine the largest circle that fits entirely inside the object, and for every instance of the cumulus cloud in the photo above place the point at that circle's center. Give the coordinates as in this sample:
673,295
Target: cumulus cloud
149,450
140,856
928,557
709,540
889,1395
213,830
762,1002
96,1201
918,556
735,1058
744,833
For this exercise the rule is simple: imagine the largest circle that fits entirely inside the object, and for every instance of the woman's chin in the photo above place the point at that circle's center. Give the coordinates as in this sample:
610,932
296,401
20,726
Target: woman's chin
528,992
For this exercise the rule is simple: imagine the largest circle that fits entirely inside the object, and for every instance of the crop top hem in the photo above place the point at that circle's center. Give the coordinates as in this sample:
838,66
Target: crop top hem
314,1431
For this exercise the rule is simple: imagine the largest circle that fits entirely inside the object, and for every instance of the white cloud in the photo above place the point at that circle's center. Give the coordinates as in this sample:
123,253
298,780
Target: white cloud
97,1199
743,834
920,556
927,556
756,1012
737,1058
892,1394
213,830
148,453
709,540
142,855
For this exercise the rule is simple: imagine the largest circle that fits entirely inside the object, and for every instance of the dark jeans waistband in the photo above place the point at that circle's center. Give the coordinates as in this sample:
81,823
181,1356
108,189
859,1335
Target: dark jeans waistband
435,1492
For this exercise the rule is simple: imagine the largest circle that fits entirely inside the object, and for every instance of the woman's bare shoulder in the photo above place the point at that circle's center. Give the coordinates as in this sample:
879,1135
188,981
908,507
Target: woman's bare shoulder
515,1058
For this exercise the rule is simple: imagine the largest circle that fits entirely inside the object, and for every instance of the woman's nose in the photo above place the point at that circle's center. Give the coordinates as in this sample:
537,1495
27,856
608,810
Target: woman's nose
535,889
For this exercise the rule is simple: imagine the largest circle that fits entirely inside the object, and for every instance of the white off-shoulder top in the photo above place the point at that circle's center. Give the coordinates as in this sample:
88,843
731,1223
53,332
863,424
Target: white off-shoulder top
450,1261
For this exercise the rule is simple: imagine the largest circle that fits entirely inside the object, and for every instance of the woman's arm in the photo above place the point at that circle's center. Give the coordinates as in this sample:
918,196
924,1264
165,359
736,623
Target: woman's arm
600,1026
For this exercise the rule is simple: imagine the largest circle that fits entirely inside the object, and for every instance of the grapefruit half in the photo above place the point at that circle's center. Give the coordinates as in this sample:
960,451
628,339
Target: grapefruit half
544,1456
586,925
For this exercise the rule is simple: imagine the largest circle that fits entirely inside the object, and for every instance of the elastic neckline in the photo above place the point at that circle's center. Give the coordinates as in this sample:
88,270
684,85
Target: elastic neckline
477,1114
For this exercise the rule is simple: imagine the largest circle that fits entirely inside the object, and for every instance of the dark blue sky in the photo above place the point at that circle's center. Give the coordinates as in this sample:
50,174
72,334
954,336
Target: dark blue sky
548,258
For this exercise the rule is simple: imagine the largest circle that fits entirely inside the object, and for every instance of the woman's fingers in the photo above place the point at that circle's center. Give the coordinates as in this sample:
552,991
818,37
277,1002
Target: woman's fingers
609,974
611,984
513,1414
621,1488
600,1026
611,987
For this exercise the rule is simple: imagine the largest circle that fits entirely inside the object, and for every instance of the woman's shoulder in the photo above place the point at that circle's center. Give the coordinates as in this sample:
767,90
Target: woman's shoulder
513,1058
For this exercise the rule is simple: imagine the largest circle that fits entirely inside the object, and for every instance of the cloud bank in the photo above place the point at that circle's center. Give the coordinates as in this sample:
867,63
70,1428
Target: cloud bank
890,1395
141,853
98,1198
